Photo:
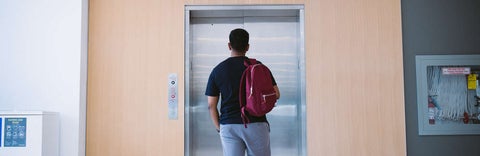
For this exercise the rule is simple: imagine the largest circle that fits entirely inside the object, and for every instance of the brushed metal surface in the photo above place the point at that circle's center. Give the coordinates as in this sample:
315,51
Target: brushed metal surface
276,41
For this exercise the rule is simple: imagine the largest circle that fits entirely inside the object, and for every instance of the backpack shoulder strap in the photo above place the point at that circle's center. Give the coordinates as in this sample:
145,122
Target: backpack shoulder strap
250,61
242,97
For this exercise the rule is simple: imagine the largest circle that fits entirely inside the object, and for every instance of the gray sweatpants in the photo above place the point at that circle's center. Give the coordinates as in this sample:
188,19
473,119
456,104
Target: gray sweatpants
236,139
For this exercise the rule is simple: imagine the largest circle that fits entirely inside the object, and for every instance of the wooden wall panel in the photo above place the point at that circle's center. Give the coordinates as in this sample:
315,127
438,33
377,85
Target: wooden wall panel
133,46
355,103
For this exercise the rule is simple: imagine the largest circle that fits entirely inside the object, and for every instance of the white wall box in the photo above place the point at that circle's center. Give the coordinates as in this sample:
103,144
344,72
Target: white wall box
32,133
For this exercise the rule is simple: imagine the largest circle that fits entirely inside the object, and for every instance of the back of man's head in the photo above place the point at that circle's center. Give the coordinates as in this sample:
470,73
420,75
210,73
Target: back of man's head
239,40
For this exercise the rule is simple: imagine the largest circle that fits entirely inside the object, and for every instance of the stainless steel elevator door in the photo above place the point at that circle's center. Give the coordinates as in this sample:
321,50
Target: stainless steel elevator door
209,47
274,40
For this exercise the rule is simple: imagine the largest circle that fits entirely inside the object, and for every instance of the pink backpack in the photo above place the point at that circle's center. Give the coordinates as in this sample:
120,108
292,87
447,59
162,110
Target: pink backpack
257,96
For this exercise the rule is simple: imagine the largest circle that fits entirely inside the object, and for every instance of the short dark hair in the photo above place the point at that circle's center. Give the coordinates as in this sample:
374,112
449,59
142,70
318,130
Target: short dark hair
239,39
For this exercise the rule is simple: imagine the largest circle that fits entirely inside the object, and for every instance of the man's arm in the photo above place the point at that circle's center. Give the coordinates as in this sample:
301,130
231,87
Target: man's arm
277,91
212,107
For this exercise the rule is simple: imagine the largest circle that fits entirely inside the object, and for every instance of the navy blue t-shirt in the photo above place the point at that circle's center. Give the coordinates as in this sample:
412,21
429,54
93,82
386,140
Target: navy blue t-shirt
224,81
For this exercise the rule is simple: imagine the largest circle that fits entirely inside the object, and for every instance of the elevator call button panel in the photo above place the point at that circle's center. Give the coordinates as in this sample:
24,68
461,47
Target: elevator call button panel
172,97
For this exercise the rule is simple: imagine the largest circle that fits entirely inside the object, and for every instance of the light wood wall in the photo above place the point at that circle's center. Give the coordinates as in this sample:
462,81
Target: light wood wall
355,103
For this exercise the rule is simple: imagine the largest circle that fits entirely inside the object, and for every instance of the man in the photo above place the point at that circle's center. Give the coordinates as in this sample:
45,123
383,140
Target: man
224,81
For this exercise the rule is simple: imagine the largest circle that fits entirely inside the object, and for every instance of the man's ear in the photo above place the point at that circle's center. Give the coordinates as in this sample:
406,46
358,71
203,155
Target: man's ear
229,46
248,46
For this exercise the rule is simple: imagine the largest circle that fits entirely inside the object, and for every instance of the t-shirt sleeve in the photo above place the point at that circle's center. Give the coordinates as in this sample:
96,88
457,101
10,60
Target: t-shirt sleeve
212,88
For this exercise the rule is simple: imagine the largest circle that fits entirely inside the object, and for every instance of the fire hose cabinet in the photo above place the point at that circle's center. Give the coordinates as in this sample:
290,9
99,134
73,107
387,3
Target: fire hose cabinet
448,94
32,133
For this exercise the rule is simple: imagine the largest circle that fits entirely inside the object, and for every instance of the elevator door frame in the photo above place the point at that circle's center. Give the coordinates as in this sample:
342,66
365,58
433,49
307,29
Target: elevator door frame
301,60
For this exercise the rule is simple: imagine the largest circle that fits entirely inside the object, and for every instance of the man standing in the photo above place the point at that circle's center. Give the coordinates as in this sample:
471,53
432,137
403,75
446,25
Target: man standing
224,81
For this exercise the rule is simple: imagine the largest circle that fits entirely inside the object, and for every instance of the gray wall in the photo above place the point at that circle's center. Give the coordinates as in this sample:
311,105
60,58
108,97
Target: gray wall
437,27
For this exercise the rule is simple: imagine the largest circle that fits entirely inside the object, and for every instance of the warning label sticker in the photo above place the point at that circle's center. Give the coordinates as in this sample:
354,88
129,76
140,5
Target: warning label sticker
456,70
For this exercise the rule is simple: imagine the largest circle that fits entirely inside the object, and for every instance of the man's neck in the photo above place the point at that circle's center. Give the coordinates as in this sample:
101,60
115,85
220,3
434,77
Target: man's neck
235,54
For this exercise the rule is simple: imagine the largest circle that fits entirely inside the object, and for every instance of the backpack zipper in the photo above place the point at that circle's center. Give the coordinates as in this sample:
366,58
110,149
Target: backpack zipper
264,96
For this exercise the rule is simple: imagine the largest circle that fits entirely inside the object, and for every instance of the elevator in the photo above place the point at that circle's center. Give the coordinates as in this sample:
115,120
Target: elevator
276,39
